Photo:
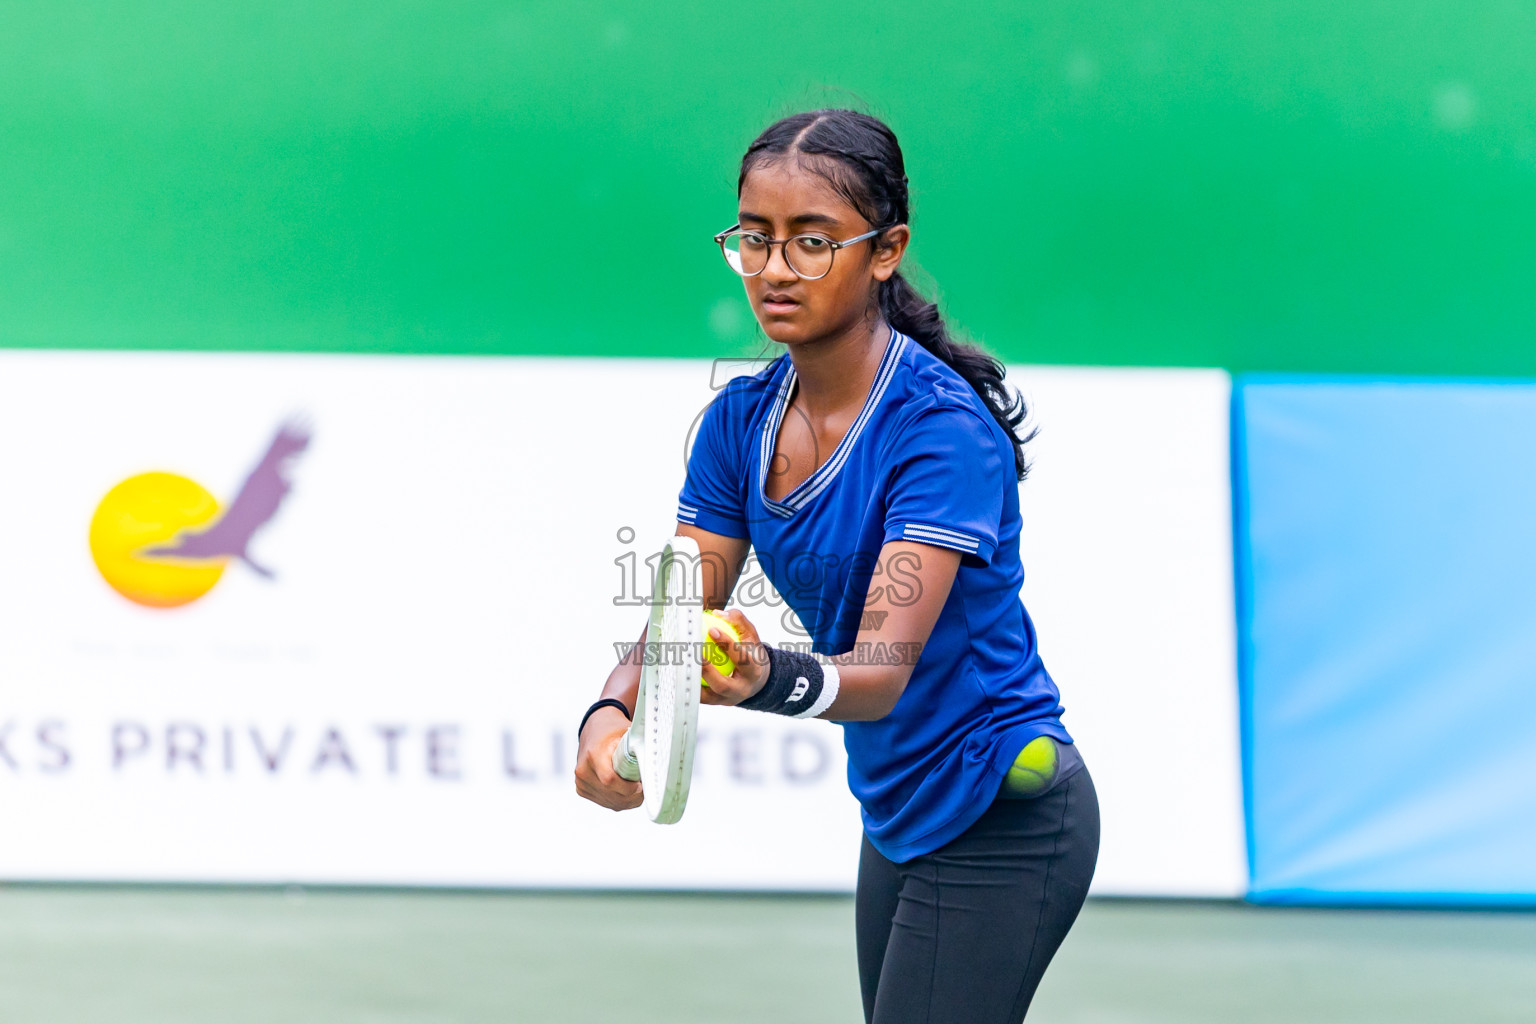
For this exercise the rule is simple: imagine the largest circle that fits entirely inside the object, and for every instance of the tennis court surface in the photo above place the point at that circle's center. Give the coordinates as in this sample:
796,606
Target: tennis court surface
129,955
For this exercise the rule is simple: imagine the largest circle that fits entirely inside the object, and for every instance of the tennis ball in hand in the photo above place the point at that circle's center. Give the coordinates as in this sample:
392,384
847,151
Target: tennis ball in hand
712,651
1033,770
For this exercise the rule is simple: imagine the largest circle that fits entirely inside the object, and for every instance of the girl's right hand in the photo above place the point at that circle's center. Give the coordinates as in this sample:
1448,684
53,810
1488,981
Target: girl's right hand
595,778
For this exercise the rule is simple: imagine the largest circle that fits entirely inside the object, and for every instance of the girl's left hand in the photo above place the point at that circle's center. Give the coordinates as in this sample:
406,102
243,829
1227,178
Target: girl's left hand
750,656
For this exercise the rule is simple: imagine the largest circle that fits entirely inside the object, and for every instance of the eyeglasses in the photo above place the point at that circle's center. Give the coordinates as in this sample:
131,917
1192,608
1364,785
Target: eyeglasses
808,256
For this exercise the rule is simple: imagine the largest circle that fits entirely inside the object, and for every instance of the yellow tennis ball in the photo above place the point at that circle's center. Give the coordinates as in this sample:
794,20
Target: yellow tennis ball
1033,770
712,652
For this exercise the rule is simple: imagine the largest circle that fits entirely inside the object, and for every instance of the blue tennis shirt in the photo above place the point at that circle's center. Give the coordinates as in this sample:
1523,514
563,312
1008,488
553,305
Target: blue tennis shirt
923,461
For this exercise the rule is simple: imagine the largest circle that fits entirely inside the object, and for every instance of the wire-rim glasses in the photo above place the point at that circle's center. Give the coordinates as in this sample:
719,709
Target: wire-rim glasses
809,257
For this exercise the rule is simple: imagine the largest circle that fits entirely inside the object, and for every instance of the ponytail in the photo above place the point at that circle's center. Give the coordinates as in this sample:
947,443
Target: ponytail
911,314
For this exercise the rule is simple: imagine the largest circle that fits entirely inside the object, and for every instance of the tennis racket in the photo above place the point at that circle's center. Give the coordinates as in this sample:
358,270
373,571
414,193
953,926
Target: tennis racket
657,751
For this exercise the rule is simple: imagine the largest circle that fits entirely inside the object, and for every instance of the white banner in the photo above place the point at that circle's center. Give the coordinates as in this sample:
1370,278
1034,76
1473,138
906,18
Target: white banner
1127,551
382,683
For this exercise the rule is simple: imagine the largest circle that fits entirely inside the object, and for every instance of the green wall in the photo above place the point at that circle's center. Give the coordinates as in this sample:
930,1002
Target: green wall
1346,185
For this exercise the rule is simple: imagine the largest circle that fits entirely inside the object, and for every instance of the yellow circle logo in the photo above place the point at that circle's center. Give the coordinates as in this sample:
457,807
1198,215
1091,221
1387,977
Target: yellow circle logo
148,510
162,540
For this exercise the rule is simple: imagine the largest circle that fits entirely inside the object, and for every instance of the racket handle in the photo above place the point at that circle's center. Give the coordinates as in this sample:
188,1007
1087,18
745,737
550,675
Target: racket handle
624,760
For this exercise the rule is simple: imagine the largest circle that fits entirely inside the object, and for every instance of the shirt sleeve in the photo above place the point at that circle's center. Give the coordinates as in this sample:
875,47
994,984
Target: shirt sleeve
948,486
713,493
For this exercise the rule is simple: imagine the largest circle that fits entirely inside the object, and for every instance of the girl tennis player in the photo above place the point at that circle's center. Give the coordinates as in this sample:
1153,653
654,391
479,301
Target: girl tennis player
874,466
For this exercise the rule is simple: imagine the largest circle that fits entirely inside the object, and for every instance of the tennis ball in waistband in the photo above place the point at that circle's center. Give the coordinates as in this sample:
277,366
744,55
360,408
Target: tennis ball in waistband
712,651
1033,770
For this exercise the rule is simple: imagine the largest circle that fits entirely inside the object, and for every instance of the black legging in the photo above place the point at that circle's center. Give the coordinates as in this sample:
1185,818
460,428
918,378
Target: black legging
964,933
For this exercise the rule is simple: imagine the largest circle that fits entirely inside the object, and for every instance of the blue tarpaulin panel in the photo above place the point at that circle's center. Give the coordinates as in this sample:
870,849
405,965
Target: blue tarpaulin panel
1387,590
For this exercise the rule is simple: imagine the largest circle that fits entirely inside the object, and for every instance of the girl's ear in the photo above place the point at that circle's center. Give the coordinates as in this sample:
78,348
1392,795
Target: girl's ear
890,247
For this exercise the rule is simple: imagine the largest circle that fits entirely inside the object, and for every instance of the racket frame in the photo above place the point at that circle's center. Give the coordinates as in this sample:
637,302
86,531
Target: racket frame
657,749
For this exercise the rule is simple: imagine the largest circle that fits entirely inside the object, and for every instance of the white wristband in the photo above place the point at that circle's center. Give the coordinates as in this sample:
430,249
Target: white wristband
830,684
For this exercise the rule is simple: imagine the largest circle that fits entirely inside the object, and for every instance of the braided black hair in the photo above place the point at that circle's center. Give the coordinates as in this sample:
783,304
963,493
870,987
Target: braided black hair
863,163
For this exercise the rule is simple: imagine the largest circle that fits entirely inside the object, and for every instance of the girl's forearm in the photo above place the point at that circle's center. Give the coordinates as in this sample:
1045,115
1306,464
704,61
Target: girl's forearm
866,693
624,681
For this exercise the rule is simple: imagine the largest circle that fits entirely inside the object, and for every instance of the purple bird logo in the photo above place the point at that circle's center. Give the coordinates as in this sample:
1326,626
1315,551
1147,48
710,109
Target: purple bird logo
261,494
161,540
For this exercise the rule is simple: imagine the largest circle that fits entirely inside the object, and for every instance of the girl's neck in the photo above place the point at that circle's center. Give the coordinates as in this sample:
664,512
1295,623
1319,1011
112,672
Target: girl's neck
837,372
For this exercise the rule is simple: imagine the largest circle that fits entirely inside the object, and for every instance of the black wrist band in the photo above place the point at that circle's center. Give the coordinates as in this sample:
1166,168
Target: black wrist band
798,685
606,702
